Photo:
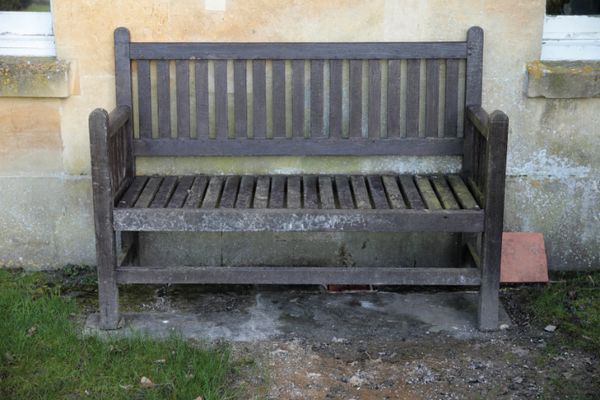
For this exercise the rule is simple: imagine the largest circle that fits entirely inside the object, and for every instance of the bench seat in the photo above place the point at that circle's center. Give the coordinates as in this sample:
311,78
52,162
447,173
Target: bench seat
385,203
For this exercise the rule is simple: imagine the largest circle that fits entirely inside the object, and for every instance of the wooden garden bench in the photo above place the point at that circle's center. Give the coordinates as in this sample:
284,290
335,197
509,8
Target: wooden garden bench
299,99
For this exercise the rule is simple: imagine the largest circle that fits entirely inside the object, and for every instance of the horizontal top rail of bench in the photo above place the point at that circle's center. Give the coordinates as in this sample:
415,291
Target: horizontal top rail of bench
297,50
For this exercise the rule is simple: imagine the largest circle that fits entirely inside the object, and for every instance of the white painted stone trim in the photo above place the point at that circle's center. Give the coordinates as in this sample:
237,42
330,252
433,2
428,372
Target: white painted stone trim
26,34
571,37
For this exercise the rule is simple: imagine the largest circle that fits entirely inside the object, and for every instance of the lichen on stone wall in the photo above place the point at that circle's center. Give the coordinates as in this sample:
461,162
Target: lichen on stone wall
34,77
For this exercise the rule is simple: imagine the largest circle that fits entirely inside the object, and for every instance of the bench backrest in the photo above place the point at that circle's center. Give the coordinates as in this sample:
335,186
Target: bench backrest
192,99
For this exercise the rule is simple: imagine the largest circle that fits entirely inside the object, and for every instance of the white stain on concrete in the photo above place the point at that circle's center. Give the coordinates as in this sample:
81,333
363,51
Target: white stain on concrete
542,164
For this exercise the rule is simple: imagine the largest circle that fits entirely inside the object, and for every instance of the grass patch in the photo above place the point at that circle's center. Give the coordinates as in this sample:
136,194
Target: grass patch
42,355
572,303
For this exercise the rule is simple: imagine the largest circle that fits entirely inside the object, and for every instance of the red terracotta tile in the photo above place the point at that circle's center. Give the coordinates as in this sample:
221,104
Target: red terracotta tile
523,258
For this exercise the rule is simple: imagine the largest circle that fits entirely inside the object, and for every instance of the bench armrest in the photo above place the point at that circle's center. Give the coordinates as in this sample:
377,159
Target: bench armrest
484,165
111,139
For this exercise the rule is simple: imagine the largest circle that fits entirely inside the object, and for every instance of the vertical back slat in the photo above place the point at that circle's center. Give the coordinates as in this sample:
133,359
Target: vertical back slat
335,98
240,96
144,98
393,98
316,97
278,68
201,70
413,72
259,101
221,117
374,98
163,91
355,93
432,92
451,100
298,98
182,69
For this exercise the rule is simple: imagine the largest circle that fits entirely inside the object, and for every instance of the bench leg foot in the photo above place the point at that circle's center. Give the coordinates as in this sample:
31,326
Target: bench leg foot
488,307
489,301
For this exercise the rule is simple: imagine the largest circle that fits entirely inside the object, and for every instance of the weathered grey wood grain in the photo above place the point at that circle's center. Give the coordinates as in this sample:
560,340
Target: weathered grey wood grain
300,275
310,191
298,51
167,186
377,191
355,98
181,192
413,72
463,195
163,92
427,193
294,192
261,195
278,73
277,198
259,101
182,70
411,193
374,99
246,193
133,192
316,97
451,99
240,95
335,98
213,192
144,98
299,147
123,57
393,98
343,191
297,220
202,122
444,192
326,196
359,190
393,192
298,98
432,91
149,192
230,191
221,107
196,192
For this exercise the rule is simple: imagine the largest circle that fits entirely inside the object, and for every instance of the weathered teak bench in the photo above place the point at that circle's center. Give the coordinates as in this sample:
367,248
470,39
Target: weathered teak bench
299,99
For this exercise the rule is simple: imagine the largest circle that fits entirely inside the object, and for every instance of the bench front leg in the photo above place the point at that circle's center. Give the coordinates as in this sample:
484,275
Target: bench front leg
486,175
110,173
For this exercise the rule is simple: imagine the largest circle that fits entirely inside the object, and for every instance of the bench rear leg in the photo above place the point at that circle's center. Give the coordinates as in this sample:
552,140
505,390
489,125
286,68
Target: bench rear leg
108,291
490,282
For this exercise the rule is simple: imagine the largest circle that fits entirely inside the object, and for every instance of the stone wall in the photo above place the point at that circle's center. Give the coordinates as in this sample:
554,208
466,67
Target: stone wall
553,183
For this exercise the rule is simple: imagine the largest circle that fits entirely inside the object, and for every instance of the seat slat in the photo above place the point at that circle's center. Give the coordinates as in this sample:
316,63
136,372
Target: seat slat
164,192
148,193
393,191
277,199
181,192
196,192
261,195
464,196
133,192
230,191
244,198
377,191
344,193
326,192
294,199
359,189
410,191
213,193
427,193
311,196
444,193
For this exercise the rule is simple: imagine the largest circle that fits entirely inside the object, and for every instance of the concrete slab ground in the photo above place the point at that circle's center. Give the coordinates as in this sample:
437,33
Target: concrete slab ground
292,314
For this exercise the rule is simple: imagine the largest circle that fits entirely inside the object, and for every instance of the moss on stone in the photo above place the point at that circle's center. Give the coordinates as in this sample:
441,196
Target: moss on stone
34,77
